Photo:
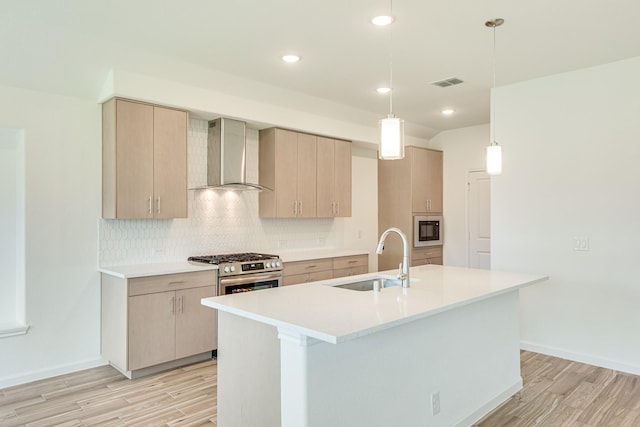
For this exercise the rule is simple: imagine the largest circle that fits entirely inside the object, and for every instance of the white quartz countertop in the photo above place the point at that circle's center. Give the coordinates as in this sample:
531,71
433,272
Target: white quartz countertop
319,310
308,254
154,269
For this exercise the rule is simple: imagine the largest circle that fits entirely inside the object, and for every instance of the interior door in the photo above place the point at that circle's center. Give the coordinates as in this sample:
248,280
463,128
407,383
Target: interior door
479,219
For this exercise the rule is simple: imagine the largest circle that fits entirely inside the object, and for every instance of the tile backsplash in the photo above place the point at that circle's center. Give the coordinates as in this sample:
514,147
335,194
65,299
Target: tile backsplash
218,221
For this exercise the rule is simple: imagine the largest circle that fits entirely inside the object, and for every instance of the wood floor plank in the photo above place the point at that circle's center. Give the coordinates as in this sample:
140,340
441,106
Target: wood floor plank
556,393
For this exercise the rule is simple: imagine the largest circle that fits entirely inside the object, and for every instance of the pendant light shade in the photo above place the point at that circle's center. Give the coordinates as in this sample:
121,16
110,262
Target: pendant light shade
391,138
494,151
494,159
391,128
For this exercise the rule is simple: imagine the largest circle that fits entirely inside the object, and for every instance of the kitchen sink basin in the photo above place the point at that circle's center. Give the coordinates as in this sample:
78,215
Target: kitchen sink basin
370,284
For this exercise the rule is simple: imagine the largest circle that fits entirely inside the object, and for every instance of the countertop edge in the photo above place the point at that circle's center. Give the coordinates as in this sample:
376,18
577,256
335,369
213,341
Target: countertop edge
337,339
154,269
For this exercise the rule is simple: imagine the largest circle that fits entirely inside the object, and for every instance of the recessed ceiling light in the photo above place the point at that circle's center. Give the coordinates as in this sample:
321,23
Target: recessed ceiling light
382,20
291,58
383,90
448,111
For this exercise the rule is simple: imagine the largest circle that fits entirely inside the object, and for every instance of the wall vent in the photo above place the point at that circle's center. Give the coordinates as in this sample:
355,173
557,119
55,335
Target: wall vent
447,82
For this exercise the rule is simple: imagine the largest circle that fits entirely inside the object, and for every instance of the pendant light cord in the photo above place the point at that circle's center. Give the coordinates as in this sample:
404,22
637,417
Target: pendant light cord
391,59
493,95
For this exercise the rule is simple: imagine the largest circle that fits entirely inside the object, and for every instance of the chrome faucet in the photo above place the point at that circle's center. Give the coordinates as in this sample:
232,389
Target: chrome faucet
403,269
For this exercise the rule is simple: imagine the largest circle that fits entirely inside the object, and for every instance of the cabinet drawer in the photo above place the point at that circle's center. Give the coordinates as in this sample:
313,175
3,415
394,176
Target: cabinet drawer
171,282
425,261
296,279
310,266
351,271
425,253
350,261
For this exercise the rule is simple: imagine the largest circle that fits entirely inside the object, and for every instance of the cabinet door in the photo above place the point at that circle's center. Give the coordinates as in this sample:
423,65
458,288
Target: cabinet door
306,168
434,180
151,329
170,163
419,179
334,178
286,179
196,324
134,159
326,177
342,178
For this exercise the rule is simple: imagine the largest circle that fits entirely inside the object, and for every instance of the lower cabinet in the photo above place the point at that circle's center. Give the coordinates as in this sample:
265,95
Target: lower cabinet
157,322
428,255
298,272
350,265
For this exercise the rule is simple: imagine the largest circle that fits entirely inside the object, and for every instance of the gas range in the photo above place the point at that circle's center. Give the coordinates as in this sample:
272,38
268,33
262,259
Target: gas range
241,263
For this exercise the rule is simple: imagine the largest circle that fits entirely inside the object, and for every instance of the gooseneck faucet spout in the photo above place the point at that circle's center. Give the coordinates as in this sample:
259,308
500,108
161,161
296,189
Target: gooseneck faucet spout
403,274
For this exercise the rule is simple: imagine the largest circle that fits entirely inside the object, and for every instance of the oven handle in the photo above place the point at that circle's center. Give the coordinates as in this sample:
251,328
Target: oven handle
250,278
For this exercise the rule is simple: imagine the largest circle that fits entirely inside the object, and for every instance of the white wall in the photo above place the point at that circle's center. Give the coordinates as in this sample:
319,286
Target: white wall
463,152
10,177
571,146
62,204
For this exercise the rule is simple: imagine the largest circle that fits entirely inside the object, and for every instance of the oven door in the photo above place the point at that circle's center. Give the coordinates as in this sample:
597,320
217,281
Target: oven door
427,231
249,282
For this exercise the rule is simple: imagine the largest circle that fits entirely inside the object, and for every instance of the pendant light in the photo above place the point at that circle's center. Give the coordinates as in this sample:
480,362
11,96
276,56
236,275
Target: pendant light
494,151
391,128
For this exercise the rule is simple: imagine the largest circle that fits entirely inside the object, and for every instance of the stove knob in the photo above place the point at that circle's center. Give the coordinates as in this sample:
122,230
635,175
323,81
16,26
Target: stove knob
277,263
226,269
268,265
233,268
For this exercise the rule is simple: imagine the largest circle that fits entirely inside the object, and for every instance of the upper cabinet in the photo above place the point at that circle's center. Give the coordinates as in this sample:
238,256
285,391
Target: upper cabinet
334,172
310,175
144,161
288,166
426,180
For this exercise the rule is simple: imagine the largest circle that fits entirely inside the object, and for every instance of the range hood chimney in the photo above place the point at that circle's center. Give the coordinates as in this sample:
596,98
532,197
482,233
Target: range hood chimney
226,156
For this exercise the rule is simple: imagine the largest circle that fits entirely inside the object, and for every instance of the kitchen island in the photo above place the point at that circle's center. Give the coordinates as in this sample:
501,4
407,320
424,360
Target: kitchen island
443,352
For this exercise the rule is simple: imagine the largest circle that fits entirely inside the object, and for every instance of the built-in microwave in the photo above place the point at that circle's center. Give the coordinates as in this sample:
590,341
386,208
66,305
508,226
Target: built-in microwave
427,230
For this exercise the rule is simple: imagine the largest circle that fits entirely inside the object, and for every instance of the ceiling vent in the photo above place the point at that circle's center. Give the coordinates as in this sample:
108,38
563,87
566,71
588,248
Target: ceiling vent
447,82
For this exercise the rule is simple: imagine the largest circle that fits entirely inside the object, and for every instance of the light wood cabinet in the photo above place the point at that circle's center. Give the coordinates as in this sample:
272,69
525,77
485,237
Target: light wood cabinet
426,180
423,256
144,161
310,175
350,265
157,322
406,187
287,166
334,172
313,270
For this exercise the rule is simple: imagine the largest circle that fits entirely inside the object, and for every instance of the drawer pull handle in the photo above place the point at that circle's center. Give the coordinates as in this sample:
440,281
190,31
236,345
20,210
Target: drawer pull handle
353,261
177,282
311,266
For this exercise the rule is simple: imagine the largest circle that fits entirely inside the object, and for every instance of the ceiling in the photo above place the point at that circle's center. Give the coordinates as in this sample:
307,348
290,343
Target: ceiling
68,46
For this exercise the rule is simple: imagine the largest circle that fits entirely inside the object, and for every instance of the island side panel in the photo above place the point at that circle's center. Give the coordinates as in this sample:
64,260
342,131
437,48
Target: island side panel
469,355
248,373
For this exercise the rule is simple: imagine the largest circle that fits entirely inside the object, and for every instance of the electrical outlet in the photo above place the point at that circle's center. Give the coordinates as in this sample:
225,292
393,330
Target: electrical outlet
581,244
435,403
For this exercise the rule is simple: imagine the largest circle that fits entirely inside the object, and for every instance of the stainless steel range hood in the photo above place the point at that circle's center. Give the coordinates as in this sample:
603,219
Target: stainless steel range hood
226,156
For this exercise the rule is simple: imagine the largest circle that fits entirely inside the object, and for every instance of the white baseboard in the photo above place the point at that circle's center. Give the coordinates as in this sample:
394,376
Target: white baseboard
492,405
581,357
50,372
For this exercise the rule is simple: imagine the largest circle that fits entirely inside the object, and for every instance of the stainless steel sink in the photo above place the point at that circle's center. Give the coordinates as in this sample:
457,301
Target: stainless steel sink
371,284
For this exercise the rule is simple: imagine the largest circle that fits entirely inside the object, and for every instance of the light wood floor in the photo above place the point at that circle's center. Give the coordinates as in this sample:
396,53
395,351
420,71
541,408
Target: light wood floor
556,393
559,392
102,396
